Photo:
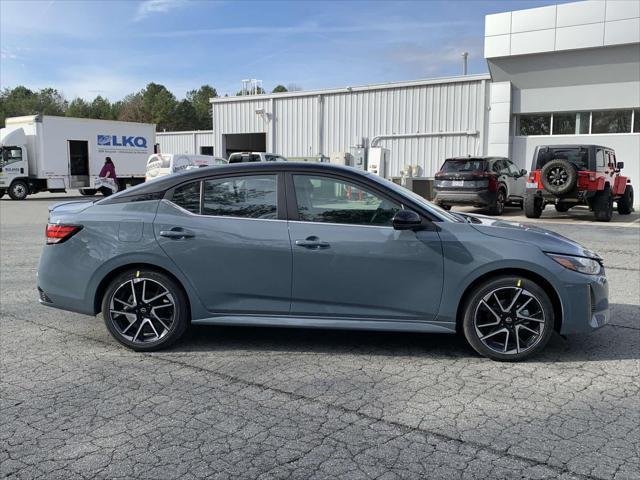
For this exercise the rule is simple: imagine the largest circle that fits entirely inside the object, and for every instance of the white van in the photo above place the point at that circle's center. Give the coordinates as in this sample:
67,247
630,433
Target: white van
161,164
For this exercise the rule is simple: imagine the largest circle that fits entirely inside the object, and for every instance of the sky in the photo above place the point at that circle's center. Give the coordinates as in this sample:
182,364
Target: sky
113,48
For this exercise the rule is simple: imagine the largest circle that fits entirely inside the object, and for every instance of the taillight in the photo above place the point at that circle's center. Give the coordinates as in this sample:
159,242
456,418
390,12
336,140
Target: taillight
60,233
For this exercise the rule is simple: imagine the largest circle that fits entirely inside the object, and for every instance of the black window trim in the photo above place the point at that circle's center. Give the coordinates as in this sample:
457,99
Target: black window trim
280,194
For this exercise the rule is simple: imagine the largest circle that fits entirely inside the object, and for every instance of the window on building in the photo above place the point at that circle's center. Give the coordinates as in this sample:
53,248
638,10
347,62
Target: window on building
325,199
250,196
611,121
206,150
188,197
636,121
571,123
535,124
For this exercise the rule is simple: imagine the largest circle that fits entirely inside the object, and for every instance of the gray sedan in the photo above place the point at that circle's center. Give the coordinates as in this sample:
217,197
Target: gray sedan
316,246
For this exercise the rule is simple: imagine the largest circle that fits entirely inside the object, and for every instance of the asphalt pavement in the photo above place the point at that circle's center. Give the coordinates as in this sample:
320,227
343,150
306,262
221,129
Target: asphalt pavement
306,404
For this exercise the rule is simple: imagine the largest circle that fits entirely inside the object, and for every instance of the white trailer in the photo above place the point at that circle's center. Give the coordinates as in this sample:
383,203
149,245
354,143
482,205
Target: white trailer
46,153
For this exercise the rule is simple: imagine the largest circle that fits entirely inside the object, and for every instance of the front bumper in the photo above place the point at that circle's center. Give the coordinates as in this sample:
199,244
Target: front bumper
585,302
475,197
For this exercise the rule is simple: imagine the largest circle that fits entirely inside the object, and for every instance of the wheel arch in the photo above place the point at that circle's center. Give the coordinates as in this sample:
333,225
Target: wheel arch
528,274
106,280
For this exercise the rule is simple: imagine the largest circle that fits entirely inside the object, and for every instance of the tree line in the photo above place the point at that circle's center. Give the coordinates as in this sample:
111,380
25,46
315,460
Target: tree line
153,104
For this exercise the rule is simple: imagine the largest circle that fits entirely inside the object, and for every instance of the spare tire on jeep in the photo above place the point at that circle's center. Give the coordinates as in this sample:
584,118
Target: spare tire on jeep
559,176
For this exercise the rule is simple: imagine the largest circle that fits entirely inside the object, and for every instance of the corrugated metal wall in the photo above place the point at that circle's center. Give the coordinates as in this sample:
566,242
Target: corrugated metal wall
185,142
324,123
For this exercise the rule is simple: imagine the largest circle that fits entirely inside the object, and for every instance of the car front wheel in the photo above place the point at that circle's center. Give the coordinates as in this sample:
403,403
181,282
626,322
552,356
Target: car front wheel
145,310
508,318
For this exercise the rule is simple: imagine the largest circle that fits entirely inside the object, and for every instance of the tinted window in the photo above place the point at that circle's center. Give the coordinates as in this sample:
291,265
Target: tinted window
579,156
512,168
570,123
611,121
636,121
250,196
325,199
244,158
464,165
188,197
535,124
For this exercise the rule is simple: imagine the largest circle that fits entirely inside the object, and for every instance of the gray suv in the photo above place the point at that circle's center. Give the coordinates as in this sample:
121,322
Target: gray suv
489,182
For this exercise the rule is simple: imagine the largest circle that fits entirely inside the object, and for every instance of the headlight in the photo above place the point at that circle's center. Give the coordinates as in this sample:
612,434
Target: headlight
586,265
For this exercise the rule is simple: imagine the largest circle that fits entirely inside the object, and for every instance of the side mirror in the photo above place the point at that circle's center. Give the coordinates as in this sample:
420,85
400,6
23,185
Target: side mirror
523,172
620,165
406,220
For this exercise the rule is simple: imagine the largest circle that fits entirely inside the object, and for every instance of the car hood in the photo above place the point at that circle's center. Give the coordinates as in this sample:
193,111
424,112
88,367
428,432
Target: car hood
544,239
70,207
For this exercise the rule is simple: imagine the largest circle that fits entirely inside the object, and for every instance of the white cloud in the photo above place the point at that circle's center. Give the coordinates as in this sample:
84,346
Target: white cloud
151,7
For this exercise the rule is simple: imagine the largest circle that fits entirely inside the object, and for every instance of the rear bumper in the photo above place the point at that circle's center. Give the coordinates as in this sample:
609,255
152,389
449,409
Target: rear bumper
475,197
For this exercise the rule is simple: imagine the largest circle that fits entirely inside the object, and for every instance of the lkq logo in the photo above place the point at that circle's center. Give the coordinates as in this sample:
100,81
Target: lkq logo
121,141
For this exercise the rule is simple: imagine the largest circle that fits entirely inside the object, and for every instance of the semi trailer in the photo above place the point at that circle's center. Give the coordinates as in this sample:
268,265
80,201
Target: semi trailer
55,154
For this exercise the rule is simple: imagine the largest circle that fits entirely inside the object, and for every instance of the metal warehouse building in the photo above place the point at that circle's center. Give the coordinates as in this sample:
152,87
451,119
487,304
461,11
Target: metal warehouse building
196,142
567,73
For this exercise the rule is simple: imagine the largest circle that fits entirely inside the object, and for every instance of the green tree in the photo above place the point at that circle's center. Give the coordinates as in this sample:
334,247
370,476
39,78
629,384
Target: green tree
78,108
184,116
23,101
158,105
101,108
131,109
279,89
199,99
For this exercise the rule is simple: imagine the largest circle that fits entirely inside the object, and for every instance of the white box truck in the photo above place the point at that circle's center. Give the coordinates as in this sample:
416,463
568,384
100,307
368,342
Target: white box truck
46,153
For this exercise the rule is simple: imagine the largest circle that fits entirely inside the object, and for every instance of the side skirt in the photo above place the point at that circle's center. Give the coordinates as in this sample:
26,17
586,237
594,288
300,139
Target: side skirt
329,323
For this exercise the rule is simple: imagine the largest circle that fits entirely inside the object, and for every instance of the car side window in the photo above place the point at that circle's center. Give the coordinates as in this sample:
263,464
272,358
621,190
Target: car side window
187,196
513,170
499,167
600,158
248,196
331,200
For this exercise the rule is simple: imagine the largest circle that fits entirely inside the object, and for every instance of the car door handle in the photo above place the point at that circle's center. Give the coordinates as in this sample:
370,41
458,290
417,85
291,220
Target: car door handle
313,243
177,233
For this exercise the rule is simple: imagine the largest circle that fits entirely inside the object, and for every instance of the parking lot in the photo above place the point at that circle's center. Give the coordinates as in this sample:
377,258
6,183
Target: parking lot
285,403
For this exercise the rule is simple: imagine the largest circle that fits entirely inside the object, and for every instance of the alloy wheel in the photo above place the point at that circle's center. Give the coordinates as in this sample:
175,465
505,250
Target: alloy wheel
509,320
557,176
142,310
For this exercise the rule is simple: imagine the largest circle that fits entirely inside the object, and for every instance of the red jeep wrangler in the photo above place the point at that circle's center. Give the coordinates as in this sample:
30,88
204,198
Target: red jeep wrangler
569,175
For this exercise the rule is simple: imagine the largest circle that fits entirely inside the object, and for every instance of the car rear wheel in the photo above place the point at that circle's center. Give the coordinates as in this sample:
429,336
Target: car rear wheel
19,190
602,205
625,203
562,207
533,206
2,192
88,191
145,310
508,318
498,207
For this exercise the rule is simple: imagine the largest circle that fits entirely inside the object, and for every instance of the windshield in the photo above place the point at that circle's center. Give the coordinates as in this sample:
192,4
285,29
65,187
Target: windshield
464,165
246,157
579,156
443,214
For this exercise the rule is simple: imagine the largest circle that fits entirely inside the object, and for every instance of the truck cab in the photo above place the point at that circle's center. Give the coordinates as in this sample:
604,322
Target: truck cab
14,164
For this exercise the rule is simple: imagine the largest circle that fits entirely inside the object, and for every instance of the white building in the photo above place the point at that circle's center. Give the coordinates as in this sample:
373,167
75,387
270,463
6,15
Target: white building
196,142
566,73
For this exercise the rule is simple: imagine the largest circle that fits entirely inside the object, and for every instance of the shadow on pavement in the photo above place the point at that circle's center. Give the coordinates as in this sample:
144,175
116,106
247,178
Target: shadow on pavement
611,342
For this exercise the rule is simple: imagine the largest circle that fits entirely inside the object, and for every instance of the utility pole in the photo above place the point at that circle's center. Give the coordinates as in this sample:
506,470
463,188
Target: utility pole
465,55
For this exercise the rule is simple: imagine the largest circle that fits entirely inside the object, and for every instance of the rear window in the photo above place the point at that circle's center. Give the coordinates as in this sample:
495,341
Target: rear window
244,158
464,165
579,156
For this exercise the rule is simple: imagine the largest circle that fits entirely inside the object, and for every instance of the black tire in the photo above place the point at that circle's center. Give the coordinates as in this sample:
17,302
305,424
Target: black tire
484,329
498,205
559,176
2,192
625,202
533,206
562,207
602,204
19,190
88,192
167,326
106,192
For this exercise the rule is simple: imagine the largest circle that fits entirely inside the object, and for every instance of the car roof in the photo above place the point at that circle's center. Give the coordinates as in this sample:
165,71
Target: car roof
575,145
164,183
